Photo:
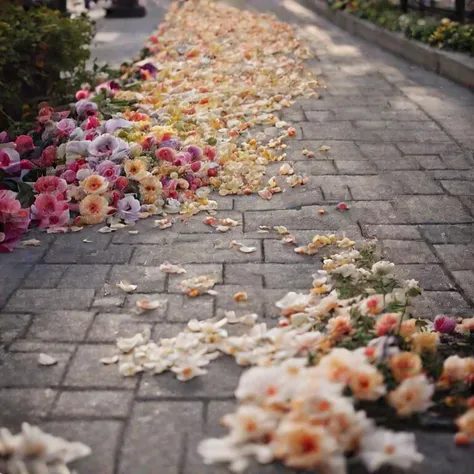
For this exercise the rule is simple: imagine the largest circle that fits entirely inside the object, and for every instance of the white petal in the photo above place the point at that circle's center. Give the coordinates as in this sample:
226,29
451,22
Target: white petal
45,359
126,286
31,243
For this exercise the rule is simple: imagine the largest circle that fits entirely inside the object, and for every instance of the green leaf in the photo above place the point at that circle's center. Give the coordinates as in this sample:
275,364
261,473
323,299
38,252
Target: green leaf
25,194
211,141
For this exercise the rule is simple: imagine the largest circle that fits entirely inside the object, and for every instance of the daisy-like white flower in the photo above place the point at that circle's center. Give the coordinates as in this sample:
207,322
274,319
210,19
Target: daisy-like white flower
384,447
293,303
188,371
366,382
412,395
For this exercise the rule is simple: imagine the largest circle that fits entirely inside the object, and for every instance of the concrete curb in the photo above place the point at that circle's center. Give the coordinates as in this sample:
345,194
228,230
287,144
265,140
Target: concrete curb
455,66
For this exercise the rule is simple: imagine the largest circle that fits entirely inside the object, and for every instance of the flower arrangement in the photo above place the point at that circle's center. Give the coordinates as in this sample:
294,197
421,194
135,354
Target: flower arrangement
173,128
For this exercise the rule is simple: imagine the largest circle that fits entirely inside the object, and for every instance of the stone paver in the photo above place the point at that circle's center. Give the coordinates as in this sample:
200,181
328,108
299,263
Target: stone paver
401,155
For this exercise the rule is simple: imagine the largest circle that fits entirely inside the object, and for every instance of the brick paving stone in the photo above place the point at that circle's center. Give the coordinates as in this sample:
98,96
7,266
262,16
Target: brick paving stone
97,403
197,252
148,279
396,164
19,403
413,182
404,251
28,255
23,370
430,277
46,300
465,279
102,436
430,162
86,370
108,303
60,325
431,303
107,327
379,150
220,382
27,345
84,276
182,308
356,167
11,277
465,188
44,276
154,437
456,256
449,234
87,254
432,209
396,232
13,326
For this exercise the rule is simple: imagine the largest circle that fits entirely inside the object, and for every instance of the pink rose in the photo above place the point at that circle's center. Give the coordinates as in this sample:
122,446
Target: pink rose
85,108
44,114
48,156
82,94
65,127
109,170
50,211
165,154
51,185
23,144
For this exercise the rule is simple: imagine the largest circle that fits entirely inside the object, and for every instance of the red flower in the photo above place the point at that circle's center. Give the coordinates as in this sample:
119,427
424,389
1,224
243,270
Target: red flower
48,156
23,144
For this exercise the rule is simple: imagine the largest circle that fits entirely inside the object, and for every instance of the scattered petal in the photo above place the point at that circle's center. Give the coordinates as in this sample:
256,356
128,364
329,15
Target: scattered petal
45,359
126,286
31,243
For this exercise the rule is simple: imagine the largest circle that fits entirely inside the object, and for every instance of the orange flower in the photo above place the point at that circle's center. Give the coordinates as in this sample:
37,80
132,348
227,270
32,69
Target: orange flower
367,383
150,189
95,184
135,169
339,327
424,341
387,323
93,209
408,328
405,365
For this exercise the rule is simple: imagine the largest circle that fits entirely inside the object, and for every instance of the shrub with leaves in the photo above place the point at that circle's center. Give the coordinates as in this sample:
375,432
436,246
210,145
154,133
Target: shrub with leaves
42,56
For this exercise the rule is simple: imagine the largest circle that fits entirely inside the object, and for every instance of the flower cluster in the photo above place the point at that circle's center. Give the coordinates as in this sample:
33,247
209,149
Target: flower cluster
173,128
14,220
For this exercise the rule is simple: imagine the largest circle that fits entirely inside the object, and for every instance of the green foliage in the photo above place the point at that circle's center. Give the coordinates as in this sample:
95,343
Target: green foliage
438,33
42,56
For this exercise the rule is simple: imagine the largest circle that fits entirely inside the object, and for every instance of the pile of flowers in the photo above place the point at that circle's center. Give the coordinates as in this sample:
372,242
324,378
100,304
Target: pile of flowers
171,129
347,346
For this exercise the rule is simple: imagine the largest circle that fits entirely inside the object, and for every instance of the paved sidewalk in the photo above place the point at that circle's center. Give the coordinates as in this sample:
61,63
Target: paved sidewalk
401,154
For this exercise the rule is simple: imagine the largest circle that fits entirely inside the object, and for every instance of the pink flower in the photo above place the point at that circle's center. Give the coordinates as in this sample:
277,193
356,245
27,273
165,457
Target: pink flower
121,183
23,144
69,176
444,325
48,156
165,154
5,159
109,170
14,221
210,152
342,206
51,185
44,115
82,94
91,123
50,211
65,127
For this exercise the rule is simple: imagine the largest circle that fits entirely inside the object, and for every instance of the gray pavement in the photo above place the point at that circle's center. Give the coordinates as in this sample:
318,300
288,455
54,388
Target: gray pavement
401,154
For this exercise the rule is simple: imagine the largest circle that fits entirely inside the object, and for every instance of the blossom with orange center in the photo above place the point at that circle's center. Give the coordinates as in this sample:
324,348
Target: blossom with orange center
303,446
95,184
424,341
373,305
135,169
467,325
339,327
454,369
150,189
93,209
337,365
388,322
465,424
366,383
405,365
412,395
408,328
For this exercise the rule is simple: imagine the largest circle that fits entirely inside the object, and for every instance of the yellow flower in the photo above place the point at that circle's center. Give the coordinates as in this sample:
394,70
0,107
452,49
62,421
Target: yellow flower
93,209
135,169
95,184
424,341
405,365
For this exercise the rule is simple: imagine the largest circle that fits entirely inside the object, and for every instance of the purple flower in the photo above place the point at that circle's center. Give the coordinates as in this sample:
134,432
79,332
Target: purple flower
109,170
194,151
65,127
108,147
128,209
113,124
5,138
173,143
444,325
85,108
150,68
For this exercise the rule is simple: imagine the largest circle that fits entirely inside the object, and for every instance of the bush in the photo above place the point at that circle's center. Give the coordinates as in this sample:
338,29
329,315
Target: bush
438,33
42,56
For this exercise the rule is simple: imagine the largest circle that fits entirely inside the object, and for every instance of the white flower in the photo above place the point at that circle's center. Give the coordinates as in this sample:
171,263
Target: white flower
383,268
249,423
187,372
259,383
108,147
412,395
293,303
347,270
384,447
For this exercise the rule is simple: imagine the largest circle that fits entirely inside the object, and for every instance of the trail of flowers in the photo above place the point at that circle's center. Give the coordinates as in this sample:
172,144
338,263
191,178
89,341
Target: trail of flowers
171,129
349,345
